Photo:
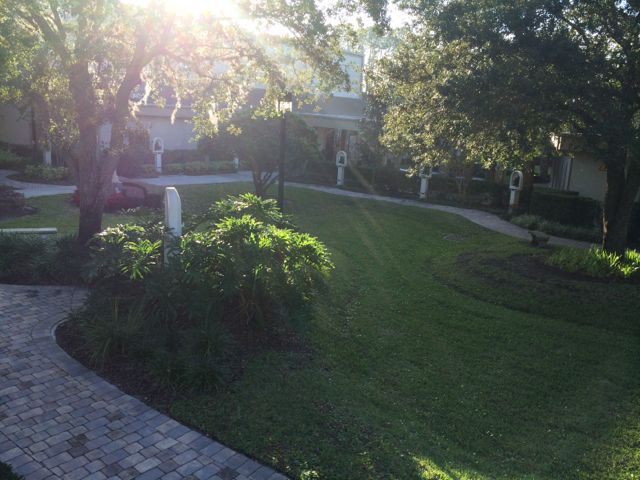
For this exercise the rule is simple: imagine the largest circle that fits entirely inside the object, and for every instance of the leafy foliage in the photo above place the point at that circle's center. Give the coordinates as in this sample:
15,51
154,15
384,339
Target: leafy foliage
535,222
11,201
256,142
36,259
91,63
598,263
12,161
238,278
46,172
493,79
6,473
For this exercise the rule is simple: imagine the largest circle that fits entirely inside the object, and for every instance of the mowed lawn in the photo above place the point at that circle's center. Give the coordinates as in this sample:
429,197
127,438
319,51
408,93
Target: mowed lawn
437,351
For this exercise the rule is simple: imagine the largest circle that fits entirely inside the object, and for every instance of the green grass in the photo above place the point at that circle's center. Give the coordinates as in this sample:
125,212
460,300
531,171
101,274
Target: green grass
435,354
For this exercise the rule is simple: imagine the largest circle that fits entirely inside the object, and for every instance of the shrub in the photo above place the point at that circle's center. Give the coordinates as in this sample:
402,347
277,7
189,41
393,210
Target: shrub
263,210
535,222
12,161
137,155
182,156
598,263
6,473
37,259
207,168
46,172
565,209
173,168
236,279
149,171
11,202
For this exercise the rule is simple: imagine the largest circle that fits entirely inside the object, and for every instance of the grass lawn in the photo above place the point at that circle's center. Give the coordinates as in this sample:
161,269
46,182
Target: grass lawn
440,350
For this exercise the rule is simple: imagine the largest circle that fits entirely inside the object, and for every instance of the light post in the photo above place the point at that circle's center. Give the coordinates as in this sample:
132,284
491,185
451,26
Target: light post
283,106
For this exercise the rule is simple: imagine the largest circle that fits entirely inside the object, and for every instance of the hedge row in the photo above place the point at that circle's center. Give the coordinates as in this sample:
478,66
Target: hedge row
565,209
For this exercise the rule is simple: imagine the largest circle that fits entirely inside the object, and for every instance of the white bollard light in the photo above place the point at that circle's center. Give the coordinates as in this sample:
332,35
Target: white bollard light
158,150
236,162
172,219
424,183
341,163
515,185
47,157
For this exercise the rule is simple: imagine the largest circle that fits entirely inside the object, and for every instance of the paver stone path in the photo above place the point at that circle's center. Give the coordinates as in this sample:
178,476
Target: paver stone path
60,420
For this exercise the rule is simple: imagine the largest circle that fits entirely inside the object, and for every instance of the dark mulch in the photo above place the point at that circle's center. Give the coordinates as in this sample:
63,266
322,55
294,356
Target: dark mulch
132,377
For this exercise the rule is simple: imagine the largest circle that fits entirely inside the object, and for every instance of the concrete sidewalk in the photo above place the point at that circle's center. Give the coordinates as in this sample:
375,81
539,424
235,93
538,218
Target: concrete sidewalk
479,217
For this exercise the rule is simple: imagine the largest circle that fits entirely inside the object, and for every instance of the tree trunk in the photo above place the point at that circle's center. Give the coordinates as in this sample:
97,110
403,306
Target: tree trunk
623,185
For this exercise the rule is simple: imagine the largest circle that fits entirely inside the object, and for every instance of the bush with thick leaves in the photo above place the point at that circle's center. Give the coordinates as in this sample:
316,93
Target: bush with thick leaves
239,277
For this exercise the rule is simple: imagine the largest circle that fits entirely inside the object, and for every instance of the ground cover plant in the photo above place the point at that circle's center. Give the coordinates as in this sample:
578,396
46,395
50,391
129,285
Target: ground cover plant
535,222
598,263
438,350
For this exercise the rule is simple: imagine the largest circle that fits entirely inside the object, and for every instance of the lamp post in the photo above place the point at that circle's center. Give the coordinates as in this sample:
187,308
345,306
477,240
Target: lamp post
283,106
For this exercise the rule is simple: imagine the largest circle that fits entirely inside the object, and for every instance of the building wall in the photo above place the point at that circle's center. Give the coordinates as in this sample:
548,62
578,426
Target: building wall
588,176
14,128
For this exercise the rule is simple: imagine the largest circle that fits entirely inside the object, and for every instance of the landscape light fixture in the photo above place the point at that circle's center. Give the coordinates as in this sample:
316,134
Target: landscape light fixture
283,105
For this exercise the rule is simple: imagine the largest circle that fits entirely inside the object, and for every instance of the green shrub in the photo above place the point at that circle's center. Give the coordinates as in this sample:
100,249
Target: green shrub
565,209
182,156
173,168
237,278
535,222
148,171
208,168
598,263
6,473
46,172
38,259
137,155
12,161
11,201
263,210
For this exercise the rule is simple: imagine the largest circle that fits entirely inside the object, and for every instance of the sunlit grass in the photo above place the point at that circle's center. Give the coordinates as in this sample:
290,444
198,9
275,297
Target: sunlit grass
431,357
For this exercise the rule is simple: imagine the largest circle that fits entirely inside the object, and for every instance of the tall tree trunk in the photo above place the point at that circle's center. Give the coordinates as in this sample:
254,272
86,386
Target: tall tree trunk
623,185
90,184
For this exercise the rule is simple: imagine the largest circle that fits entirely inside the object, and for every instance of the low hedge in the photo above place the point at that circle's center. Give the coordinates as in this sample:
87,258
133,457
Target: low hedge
182,156
12,161
11,201
46,172
565,209
535,222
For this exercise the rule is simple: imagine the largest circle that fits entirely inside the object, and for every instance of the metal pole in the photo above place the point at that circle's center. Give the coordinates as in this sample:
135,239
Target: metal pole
283,145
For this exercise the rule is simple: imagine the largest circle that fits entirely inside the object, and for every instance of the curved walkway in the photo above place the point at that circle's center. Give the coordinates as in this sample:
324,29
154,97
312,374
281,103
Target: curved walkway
60,420
34,189
479,217
485,219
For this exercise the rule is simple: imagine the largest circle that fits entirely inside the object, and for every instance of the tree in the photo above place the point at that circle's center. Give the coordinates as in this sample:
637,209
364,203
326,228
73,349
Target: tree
255,140
101,53
542,65
435,121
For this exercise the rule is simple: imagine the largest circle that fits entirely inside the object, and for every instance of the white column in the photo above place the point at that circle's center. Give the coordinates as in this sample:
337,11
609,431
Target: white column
424,187
172,218
159,162
340,181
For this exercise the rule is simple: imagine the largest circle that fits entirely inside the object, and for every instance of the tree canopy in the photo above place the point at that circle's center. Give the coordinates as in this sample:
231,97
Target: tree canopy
498,77
91,63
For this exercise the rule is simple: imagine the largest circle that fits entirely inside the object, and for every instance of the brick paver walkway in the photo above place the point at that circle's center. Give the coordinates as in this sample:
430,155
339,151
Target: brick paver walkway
60,420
